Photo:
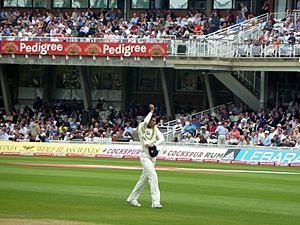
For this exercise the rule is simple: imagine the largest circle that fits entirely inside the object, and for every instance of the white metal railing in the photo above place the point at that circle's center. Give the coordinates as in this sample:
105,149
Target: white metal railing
237,28
208,48
167,127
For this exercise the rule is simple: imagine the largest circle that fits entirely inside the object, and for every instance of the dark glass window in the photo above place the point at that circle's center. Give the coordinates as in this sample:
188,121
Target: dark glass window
112,4
98,3
197,4
140,4
80,4
39,3
61,4
189,80
178,4
10,3
24,3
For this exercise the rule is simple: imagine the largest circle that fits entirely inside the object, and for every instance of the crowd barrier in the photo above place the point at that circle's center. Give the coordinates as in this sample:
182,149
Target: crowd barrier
152,47
169,151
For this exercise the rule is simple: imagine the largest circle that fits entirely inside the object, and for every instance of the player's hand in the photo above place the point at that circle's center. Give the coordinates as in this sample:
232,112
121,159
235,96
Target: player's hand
147,145
151,108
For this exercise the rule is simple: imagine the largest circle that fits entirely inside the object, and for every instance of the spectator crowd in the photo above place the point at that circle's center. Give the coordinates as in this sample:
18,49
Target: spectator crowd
231,125
240,126
68,120
110,23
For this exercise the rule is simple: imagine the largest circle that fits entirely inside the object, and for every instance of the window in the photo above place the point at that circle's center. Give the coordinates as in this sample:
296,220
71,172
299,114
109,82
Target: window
140,4
159,4
237,4
80,4
10,3
61,4
106,78
223,4
178,4
98,3
112,4
30,76
197,4
39,3
67,77
149,80
24,3
189,81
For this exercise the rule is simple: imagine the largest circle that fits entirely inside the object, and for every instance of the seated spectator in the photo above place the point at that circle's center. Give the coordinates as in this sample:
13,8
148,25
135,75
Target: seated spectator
240,18
202,139
291,39
234,136
269,25
267,140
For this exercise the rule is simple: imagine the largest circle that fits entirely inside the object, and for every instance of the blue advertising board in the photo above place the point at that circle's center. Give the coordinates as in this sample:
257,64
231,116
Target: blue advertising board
276,156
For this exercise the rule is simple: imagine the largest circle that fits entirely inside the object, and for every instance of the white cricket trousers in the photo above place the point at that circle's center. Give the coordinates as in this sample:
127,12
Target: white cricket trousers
150,174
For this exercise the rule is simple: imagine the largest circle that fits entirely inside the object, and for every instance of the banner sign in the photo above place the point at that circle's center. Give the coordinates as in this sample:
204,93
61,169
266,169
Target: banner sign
273,156
84,48
192,153
119,151
166,152
54,149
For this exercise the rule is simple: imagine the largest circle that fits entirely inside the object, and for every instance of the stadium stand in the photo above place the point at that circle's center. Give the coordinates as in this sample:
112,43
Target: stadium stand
265,35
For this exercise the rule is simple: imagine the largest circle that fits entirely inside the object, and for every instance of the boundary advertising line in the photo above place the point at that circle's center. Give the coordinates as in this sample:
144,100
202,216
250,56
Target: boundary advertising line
159,168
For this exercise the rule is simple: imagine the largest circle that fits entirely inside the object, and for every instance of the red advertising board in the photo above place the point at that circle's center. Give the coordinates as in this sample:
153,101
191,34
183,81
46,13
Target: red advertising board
84,48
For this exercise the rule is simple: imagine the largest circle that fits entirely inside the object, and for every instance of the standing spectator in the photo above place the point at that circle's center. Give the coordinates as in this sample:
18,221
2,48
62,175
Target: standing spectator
215,21
243,9
221,133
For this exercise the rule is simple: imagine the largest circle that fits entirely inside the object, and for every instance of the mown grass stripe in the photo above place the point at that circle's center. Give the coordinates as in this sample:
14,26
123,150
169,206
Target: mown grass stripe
98,196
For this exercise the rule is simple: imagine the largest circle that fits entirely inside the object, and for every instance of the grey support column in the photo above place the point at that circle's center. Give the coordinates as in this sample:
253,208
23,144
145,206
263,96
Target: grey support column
126,10
7,97
263,91
49,75
126,87
208,91
290,5
166,92
85,86
209,6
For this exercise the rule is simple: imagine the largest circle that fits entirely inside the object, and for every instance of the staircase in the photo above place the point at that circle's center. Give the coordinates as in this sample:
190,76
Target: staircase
167,128
238,88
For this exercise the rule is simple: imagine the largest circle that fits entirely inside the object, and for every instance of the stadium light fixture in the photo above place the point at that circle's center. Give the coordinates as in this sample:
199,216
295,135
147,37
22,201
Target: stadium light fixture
151,58
67,57
134,58
26,56
121,58
94,57
13,56
0,55
80,57
164,59
40,56
107,58
53,56
299,60
138,58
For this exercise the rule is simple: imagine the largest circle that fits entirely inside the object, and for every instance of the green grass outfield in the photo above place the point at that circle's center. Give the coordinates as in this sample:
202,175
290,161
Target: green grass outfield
98,196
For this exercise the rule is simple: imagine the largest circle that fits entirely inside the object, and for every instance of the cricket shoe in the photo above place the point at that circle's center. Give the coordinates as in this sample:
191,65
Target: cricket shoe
134,203
157,206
